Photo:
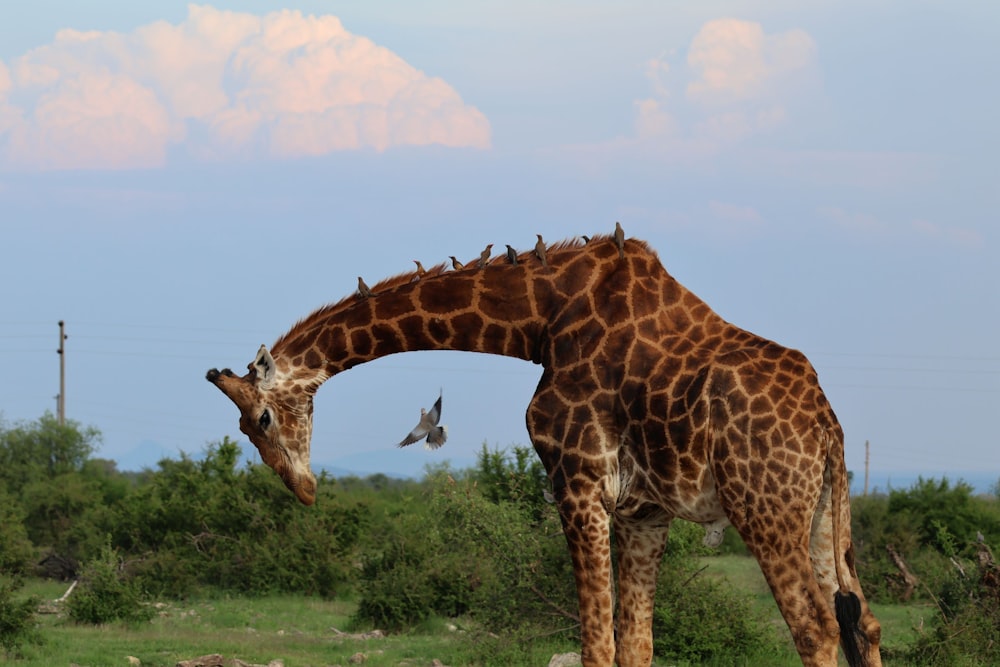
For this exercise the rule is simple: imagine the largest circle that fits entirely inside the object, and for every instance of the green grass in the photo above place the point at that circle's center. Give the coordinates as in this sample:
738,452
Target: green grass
302,632
900,623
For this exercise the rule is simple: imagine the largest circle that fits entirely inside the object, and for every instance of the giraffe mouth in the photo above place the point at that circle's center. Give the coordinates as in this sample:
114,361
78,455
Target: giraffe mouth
303,486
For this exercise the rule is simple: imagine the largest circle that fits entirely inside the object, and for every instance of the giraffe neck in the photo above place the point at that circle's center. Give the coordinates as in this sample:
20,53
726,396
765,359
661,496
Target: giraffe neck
499,309
520,311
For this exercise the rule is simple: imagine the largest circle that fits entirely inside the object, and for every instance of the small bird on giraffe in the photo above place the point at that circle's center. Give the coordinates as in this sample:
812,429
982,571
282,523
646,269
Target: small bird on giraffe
421,271
540,250
363,289
455,264
620,239
484,256
511,255
428,428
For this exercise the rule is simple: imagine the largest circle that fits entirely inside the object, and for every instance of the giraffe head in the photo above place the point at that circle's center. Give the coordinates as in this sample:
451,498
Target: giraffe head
276,414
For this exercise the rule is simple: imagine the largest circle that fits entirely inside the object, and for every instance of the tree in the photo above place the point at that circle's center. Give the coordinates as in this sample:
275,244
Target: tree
15,548
940,508
41,450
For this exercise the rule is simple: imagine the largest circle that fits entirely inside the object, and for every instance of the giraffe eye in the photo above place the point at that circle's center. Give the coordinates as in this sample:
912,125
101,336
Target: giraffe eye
265,419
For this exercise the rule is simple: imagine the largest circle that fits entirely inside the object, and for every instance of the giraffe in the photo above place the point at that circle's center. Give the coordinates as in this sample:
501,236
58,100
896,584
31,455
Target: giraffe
650,407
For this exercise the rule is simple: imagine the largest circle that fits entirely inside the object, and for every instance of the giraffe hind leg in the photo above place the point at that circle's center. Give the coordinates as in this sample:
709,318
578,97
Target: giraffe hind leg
776,532
860,632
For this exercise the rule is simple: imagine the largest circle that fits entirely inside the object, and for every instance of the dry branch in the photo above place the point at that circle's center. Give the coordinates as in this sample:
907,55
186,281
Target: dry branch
910,580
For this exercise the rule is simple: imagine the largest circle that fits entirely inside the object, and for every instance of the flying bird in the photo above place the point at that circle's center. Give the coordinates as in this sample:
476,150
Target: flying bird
455,264
428,428
363,289
620,239
511,255
484,256
540,250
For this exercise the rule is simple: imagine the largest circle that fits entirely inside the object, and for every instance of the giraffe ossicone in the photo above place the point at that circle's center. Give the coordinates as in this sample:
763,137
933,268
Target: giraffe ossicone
650,407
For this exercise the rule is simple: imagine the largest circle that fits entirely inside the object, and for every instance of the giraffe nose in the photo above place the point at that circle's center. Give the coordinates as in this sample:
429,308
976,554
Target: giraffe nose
213,374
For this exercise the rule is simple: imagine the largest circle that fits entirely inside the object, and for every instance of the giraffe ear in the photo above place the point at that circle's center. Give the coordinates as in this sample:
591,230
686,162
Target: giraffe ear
264,365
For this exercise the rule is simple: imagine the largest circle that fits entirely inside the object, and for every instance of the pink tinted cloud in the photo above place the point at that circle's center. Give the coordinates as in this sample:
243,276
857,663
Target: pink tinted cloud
737,60
220,85
740,79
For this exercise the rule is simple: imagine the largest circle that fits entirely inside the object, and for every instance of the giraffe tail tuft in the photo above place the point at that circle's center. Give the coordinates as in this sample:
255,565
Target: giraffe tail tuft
852,638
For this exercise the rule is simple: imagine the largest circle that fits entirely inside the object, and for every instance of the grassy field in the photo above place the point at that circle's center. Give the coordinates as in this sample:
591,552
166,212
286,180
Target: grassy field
899,622
305,632
301,632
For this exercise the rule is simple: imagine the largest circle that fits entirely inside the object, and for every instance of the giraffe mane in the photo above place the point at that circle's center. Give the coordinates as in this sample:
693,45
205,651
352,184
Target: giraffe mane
392,282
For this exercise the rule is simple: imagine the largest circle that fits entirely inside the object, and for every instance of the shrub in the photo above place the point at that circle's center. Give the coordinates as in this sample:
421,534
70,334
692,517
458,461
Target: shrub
698,618
17,619
395,589
480,548
411,574
15,547
106,593
515,559
210,523
966,630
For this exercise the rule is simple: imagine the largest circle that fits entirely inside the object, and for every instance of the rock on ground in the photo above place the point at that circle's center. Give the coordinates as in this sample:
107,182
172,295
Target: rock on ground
565,660
216,660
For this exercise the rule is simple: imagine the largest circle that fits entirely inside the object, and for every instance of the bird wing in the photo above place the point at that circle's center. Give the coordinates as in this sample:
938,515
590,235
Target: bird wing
436,437
419,431
434,415
416,434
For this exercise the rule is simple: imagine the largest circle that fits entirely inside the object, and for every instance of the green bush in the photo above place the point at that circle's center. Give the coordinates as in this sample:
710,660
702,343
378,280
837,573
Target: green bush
414,571
482,547
515,559
966,630
211,523
939,508
698,618
106,594
15,548
17,619
927,524
396,590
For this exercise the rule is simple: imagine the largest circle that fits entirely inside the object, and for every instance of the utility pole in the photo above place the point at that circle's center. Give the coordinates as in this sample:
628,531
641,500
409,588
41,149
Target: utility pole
61,399
866,467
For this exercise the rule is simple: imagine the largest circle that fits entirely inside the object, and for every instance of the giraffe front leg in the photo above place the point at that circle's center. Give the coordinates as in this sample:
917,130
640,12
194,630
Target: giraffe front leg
586,526
640,550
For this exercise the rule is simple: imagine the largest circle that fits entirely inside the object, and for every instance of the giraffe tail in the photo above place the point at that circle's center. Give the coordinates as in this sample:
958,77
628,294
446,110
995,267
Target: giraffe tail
847,605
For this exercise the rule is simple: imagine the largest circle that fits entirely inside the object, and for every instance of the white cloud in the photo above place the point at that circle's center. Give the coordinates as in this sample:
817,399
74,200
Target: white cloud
652,120
9,115
739,82
93,119
736,60
5,82
220,85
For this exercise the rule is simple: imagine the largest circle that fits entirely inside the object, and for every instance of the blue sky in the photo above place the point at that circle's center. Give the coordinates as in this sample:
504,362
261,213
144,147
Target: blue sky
182,183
